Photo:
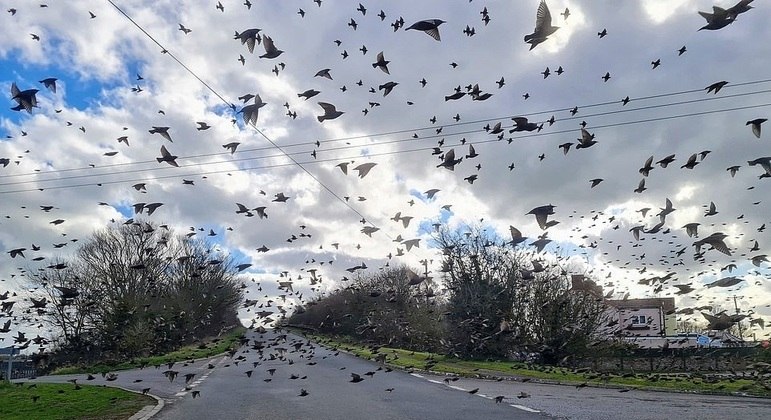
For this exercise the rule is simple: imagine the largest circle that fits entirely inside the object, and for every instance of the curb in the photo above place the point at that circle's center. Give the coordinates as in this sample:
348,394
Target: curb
147,411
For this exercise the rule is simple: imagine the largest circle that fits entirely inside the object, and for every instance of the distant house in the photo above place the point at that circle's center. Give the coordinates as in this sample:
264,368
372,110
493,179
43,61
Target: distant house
649,317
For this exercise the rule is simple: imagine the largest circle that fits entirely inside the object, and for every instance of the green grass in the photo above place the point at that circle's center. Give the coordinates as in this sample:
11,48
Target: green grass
63,401
229,341
519,371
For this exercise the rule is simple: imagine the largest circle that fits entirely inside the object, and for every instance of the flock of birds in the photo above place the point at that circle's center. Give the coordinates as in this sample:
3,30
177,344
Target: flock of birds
711,251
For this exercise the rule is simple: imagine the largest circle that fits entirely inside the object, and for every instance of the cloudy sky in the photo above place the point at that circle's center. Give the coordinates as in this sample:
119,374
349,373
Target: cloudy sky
114,80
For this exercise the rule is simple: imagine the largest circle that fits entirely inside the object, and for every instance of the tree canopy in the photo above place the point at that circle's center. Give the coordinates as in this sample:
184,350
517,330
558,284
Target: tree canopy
137,289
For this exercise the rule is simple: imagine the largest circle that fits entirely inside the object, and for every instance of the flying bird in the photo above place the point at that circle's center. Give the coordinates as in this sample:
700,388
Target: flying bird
25,99
387,87
715,87
232,146
50,83
270,48
381,63
716,241
522,124
163,131
586,140
449,161
691,163
756,125
324,73
364,168
429,26
250,37
764,162
251,111
167,157
543,27
541,213
330,112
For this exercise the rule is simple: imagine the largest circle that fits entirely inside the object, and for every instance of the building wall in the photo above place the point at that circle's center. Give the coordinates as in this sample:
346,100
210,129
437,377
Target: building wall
670,324
640,322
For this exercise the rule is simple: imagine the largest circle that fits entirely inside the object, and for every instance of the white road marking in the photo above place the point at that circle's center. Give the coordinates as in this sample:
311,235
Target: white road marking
522,407
180,394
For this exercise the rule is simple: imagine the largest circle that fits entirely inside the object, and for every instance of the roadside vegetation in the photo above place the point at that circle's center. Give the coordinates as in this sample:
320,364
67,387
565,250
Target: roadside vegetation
509,312
229,341
23,401
519,371
133,291
498,301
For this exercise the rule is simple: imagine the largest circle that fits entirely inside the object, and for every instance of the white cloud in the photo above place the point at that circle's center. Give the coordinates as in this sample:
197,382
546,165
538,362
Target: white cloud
99,58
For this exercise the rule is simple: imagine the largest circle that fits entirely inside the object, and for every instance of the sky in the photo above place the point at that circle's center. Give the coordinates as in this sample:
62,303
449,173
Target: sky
123,70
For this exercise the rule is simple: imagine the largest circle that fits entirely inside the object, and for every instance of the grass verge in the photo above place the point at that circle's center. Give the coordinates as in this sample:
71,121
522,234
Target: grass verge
675,382
212,347
63,401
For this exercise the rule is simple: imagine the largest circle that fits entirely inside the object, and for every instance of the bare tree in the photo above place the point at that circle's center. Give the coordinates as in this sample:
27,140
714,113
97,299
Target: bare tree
135,288
504,299
382,307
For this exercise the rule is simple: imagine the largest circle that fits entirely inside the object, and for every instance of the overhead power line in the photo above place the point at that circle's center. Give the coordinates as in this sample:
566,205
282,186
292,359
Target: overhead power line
354,146
332,159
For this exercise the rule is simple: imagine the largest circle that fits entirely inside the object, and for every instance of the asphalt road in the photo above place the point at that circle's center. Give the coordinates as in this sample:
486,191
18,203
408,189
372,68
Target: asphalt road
224,391
229,394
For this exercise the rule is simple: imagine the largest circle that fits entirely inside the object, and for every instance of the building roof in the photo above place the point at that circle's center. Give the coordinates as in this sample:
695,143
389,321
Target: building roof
667,304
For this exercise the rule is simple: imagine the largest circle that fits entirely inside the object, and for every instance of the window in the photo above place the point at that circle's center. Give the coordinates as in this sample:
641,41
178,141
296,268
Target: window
638,320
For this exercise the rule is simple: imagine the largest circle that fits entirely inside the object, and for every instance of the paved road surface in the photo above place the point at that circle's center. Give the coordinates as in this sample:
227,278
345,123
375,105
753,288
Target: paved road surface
226,392
229,394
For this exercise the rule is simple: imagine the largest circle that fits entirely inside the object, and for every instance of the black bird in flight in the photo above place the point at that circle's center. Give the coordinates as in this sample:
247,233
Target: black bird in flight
543,27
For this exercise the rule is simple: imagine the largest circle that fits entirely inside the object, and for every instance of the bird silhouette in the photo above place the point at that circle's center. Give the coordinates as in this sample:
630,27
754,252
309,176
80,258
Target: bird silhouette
250,37
429,26
543,26
270,48
755,124
167,157
330,112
